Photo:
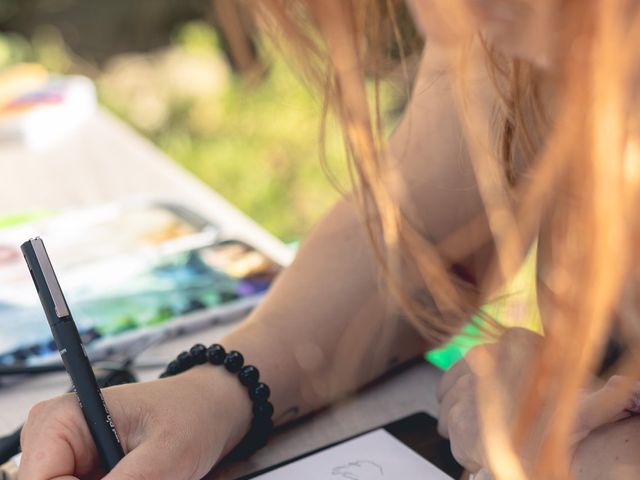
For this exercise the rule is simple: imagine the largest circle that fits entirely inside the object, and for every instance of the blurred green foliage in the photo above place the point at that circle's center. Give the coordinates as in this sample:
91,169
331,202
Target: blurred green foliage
46,47
256,143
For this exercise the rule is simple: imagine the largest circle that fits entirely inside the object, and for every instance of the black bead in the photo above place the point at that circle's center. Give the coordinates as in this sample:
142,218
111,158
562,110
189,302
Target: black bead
260,427
185,361
216,354
199,353
260,442
173,368
233,361
249,445
255,443
262,410
259,392
248,375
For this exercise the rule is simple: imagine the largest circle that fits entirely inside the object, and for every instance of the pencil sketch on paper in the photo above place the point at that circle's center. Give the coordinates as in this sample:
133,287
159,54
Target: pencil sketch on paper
359,470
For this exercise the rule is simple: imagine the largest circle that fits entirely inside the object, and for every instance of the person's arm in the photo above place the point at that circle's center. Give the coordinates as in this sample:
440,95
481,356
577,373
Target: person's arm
325,328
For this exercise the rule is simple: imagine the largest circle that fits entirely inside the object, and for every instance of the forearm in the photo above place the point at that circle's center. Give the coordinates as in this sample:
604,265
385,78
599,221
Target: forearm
325,328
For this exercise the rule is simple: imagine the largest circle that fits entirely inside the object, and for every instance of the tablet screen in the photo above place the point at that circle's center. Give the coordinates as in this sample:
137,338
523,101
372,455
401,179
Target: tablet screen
376,455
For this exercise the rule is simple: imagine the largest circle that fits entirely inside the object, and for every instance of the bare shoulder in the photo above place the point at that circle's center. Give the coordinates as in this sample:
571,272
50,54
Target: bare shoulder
431,151
610,452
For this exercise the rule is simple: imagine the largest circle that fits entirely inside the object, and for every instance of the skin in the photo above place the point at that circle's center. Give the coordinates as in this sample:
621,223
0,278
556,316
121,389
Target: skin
605,432
313,338
602,415
324,330
610,452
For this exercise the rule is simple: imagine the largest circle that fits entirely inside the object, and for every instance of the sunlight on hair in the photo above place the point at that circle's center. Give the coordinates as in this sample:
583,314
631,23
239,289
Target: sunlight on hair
632,163
557,152
494,423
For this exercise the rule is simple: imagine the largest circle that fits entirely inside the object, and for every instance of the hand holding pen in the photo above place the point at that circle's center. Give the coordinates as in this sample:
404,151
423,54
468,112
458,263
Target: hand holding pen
173,429
74,357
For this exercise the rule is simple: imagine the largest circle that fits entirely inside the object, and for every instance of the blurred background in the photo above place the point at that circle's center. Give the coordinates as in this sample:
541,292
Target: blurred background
198,80
195,78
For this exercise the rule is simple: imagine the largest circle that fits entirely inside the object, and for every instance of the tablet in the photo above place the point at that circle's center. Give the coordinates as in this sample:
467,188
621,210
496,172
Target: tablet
406,449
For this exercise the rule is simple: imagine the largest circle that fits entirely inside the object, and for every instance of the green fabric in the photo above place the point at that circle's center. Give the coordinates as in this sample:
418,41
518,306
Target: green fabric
516,306
455,349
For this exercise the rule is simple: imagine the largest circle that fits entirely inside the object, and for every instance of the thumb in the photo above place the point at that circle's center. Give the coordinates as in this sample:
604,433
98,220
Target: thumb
612,402
154,460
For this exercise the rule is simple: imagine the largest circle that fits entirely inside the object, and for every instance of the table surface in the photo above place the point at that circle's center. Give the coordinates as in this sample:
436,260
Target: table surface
104,161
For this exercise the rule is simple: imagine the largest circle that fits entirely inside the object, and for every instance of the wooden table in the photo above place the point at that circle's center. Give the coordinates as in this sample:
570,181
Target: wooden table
105,161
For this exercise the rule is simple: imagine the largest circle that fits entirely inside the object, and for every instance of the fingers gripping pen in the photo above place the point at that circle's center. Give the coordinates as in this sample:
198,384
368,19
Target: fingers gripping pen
74,356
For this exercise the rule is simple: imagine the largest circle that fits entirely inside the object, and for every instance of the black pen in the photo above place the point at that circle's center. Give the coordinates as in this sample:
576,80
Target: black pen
74,356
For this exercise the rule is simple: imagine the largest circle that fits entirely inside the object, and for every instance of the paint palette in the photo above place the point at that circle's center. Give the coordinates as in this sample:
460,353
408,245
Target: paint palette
128,271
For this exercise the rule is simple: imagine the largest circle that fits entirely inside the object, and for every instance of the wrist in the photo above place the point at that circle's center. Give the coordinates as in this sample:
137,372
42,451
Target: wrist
225,398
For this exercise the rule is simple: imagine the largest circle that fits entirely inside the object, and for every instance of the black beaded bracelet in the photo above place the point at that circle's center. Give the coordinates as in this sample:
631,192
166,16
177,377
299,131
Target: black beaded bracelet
249,376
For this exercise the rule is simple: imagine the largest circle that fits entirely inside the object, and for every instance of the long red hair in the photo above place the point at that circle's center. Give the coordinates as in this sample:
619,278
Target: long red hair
582,183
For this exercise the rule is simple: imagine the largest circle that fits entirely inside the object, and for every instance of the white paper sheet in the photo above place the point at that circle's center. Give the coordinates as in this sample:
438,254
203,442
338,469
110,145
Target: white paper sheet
374,456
